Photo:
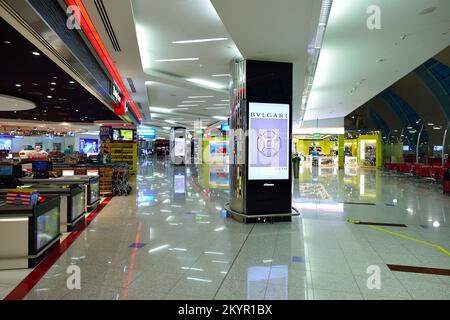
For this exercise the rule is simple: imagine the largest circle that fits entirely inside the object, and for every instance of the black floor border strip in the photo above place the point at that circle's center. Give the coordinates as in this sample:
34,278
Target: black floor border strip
382,224
423,270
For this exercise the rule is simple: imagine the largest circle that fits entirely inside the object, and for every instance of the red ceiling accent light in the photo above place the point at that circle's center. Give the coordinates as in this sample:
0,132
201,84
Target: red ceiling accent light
94,39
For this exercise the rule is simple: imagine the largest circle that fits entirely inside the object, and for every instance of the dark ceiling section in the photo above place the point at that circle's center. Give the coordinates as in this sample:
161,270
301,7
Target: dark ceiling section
39,79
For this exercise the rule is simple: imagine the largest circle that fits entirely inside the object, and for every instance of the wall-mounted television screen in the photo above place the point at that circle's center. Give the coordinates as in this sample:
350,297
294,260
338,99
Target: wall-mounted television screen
123,135
88,146
5,143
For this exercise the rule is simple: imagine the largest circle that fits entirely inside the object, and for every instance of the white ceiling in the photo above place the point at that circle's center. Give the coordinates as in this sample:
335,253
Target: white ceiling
350,51
280,30
10,103
151,26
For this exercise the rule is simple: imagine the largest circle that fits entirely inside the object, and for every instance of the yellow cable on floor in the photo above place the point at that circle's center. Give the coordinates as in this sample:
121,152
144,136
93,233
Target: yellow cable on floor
411,238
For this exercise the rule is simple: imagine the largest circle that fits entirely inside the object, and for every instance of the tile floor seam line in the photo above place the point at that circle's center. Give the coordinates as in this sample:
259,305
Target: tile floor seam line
271,265
353,274
232,263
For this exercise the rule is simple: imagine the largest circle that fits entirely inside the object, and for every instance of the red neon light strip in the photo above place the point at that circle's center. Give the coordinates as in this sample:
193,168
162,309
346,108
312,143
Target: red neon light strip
132,262
94,38
41,269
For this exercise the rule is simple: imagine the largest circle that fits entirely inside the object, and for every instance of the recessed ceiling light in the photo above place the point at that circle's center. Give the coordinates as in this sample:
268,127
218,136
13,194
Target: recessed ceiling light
35,53
76,110
53,83
220,104
430,123
175,60
18,85
35,84
199,97
199,101
214,108
221,75
55,77
183,109
220,118
199,40
34,118
71,82
206,83
7,42
187,105
225,100
49,97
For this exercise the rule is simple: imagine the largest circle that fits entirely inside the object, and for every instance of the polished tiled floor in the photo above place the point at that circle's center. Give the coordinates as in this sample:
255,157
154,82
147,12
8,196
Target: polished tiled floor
189,249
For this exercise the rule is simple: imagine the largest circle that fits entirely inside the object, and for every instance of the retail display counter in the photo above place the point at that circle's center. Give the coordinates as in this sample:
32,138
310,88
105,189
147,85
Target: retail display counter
72,202
28,232
90,184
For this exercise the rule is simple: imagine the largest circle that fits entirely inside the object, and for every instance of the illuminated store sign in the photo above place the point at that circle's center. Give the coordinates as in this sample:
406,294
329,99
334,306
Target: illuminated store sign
268,157
116,94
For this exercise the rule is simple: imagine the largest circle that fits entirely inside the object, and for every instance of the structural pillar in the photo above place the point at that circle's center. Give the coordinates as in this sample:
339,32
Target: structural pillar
260,141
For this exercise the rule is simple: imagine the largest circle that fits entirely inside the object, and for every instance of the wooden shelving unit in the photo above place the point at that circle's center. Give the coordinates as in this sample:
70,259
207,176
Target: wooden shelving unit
106,176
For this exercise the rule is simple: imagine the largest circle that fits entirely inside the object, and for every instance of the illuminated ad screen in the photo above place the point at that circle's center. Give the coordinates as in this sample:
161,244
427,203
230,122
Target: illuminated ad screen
123,135
180,146
268,157
179,183
88,146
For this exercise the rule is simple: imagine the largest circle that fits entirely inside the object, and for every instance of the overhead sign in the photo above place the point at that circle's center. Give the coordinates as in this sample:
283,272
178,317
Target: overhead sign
268,157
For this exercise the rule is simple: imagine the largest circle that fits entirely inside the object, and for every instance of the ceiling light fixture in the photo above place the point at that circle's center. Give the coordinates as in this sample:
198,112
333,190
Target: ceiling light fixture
7,42
158,109
193,101
221,75
183,109
49,97
198,40
214,108
199,97
220,118
220,104
187,105
18,85
71,82
35,53
206,83
175,60
53,83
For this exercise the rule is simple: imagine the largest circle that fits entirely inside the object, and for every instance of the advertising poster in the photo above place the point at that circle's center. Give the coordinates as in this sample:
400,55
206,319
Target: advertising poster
268,156
180,147
218,151
105,134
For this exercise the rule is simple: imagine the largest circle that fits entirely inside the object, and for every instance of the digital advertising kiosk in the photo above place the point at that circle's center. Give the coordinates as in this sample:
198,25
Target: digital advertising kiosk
260,142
